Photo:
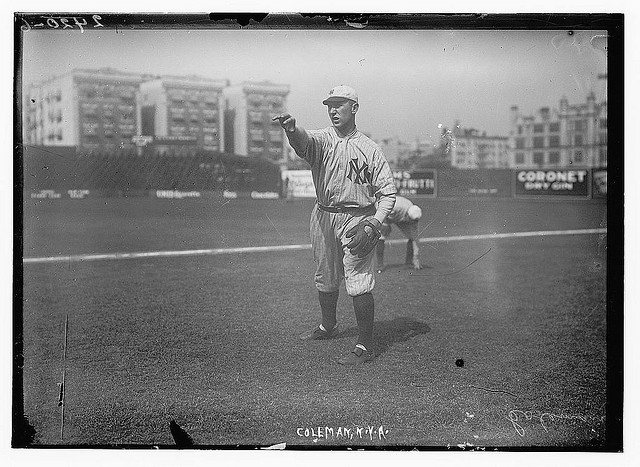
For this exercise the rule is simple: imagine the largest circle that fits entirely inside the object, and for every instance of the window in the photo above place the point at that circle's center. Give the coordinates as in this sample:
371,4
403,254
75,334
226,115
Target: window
538,158
554,141
519,143
538,128
126,108
603,123
554,127
210,139
519,129
275,135
578,125
554,158
255,116
519,158
107,110
88,108
577,140
89,128
603,137
577,156
538,141
603,156
256,135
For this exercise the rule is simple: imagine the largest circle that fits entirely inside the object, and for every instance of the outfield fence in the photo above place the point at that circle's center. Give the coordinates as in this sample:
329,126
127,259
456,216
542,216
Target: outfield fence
65,172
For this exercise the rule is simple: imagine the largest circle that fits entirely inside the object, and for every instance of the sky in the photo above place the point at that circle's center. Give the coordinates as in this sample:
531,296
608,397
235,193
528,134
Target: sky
408,81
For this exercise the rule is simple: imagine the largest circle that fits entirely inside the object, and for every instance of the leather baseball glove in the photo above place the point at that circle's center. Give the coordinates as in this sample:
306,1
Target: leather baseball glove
364,237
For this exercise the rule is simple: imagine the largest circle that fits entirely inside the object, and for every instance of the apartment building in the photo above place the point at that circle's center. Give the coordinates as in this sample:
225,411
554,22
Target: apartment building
472,149
570,136
186,109
90,109
250,131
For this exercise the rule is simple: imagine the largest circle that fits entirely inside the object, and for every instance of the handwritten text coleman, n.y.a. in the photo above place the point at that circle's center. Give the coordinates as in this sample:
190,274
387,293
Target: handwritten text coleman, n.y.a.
369,432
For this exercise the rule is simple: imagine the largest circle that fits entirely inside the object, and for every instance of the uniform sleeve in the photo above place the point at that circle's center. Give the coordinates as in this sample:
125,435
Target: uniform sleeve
385,206
383,182
313,150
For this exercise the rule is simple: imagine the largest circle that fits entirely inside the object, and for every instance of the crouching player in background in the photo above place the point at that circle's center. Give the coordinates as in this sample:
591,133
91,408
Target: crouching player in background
406,216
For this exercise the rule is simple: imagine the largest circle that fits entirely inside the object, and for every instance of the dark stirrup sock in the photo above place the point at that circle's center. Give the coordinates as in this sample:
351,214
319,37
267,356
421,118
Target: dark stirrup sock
363,306
409,258
328,303
380,252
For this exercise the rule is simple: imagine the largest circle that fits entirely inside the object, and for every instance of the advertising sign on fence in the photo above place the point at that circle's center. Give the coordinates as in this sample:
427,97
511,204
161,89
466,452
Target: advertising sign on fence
298,184
419,183
552,182
599,189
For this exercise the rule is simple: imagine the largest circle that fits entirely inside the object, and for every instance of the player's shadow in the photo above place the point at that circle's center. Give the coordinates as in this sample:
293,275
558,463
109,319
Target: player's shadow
387,333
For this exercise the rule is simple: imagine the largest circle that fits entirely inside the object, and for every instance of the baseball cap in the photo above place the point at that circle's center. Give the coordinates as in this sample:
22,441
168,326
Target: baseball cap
342,92
414,213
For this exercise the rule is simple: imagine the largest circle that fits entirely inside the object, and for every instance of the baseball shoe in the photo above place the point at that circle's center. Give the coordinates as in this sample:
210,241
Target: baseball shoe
317,334
357,357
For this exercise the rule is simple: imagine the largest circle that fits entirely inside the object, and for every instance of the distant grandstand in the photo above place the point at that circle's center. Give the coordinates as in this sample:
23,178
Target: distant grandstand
127,173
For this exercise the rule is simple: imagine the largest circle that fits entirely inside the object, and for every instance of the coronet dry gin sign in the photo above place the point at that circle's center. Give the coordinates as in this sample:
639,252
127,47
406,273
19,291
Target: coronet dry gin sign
552,182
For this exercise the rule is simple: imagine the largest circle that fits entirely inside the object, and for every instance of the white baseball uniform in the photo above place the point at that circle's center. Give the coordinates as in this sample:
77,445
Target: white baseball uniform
349,174
400,217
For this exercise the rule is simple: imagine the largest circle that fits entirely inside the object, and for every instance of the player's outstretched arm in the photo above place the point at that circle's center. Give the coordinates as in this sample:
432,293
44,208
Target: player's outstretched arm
296,135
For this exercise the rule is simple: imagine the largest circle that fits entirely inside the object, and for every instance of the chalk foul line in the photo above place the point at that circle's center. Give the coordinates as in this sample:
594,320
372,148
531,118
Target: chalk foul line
274,248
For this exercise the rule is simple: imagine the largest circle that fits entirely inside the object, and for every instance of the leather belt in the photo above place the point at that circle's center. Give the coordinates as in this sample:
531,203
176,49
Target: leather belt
340,209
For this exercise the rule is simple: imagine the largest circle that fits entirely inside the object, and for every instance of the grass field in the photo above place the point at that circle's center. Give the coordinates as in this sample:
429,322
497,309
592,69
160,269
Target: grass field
211,341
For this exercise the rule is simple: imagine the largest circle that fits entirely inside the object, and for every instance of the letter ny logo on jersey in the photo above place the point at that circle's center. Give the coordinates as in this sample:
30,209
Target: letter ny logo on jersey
359,173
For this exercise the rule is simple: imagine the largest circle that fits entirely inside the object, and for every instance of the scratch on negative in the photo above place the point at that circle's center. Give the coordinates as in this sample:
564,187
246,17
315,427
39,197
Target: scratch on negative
273,226
454,272
426,227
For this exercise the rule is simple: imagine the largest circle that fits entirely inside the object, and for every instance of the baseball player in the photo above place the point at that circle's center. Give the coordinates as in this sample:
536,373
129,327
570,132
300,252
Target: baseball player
406,216
355,193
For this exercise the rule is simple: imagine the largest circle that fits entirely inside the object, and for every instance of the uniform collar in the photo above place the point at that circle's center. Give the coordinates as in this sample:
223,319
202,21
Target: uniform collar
352,133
